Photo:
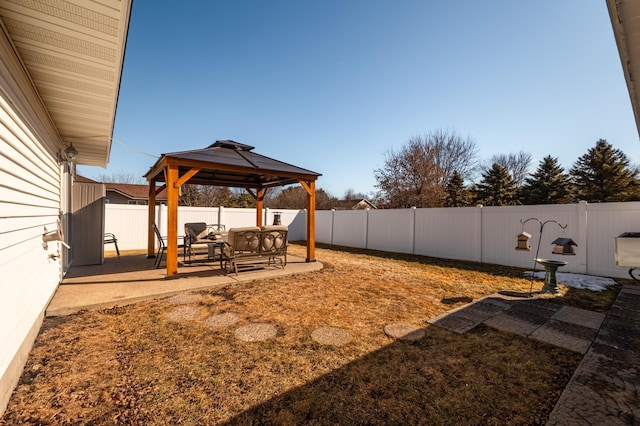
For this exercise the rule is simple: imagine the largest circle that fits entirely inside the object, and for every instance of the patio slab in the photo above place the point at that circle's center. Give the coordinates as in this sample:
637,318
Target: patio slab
133,278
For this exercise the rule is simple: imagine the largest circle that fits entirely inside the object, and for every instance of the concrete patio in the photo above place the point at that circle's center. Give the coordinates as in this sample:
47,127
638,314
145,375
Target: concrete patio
133,278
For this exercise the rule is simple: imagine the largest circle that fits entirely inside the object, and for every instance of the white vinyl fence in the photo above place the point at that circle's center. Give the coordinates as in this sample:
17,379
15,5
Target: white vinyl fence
128,222
480,234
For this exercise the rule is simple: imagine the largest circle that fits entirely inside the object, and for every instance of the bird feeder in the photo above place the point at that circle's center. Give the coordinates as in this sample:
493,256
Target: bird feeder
523,241
563,246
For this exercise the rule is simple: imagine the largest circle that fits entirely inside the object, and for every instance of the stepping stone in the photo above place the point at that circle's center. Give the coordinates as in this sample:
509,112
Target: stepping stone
579,317
183,313
331,336
455,322
256,332
554,333
222,320
404,331
512,324
183,298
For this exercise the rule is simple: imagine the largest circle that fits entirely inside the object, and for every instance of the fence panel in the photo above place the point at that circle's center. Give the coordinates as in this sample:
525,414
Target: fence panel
451,233
128,223
501,226
350,228
391,230
296,220
324,226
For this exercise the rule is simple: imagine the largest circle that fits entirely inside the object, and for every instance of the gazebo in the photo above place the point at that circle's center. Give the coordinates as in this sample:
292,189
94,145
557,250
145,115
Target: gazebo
224,163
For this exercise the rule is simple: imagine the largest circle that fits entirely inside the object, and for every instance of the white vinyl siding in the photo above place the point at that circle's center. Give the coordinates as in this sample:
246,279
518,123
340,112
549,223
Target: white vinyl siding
30,201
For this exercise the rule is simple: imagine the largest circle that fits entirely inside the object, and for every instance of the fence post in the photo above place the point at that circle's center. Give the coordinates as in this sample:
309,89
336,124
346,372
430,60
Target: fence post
221,215
366,235
413,230
583,235
479,206
333,212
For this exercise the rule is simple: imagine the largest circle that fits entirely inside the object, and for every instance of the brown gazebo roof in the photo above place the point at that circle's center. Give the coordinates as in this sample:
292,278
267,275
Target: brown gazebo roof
230,163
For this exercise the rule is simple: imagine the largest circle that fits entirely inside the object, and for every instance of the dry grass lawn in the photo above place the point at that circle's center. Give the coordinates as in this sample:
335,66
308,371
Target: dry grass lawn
143,364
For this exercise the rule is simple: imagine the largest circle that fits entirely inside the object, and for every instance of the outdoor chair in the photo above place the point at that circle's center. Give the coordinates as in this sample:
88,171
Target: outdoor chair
254,247
110,238
162,246
199,234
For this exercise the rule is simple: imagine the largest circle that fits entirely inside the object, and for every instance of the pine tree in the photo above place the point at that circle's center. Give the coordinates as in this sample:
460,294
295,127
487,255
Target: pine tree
603,174
497,188
457,194
549,184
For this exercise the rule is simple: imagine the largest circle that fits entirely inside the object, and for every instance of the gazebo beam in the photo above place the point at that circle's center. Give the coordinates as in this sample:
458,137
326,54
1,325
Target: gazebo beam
185,177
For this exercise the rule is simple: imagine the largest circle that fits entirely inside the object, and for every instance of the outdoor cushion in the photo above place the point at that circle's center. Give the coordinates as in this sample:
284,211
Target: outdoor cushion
196,230
249,242
274,237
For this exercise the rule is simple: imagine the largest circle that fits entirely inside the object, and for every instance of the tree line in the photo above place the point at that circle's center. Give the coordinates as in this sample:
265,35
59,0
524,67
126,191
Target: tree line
441,169
437,170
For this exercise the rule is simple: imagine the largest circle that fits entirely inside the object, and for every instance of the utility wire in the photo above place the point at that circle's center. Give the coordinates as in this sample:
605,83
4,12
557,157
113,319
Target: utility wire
133,149
119,143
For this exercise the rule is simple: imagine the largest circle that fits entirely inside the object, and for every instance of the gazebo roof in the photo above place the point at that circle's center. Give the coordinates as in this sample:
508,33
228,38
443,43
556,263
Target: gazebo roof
230,163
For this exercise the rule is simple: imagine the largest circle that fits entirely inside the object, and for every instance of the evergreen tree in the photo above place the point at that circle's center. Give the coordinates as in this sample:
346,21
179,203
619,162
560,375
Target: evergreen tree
497,187
457,194
603,174
549,184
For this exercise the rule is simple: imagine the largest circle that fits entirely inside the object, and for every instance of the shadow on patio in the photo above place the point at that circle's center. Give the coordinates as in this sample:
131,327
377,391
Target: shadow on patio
132,278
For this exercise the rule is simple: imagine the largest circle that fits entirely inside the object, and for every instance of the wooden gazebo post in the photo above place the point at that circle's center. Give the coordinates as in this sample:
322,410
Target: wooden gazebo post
172,218
152,219
310,187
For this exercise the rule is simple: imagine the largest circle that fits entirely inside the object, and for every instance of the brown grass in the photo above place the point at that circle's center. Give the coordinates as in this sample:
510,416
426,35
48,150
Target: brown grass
135,365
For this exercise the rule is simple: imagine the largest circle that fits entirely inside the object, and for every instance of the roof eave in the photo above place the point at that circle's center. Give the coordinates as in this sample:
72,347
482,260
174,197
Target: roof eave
624,20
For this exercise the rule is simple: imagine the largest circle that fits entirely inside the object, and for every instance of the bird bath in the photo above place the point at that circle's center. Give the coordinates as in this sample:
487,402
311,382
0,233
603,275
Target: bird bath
550,267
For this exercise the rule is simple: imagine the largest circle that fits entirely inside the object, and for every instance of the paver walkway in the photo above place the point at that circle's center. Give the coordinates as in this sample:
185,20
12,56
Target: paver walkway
605,388
539,319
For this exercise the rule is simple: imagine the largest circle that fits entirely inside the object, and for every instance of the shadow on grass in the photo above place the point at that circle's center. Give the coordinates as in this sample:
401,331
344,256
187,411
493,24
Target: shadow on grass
445,378
456,300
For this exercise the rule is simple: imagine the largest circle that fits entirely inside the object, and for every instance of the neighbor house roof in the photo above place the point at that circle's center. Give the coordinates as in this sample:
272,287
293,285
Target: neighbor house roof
625,19
133,191
230,163
73,53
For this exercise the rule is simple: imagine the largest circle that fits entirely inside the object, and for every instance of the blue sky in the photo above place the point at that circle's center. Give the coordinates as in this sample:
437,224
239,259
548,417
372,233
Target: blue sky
333,85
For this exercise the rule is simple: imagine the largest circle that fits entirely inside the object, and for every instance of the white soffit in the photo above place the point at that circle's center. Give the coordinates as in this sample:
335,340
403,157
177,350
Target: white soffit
625,19
73,51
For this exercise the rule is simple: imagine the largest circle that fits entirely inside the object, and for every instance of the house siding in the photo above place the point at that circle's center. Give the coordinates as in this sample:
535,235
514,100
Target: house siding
30,201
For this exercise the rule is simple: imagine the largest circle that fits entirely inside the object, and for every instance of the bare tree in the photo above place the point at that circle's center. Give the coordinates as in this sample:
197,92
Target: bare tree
121,177
454,154
417,174
205,196
295,197
517,165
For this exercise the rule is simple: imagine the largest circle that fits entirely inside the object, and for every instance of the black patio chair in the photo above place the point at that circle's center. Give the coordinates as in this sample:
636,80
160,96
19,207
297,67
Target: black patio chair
110,238
162,245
